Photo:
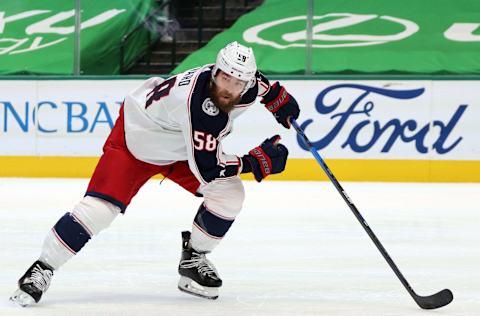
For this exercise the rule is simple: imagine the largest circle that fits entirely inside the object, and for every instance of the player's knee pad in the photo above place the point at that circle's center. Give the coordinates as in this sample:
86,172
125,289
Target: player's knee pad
95,214
224,197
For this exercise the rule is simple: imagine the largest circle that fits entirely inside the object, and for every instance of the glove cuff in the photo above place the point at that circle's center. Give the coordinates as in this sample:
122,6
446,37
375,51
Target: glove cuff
273,104
264,162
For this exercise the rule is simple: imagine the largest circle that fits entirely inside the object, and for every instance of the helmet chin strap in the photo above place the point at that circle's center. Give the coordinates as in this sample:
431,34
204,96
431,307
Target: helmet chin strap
249,85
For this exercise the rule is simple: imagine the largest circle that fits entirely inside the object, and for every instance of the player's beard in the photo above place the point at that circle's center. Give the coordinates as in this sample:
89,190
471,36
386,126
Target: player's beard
218,98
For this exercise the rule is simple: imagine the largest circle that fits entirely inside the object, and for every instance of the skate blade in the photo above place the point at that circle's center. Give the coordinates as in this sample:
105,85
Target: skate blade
21,298
189,286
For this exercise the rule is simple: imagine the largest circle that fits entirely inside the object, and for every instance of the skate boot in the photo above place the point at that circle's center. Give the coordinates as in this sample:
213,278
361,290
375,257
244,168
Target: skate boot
198,275
33,284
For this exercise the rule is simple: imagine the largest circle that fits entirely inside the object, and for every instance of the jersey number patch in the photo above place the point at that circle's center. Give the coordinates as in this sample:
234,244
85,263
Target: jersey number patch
160,91
204,141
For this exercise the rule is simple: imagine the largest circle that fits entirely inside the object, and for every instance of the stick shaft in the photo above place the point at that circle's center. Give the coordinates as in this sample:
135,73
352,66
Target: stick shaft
354,209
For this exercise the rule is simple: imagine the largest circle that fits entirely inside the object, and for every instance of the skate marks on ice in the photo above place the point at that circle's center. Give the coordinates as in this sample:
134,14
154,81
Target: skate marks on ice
305,255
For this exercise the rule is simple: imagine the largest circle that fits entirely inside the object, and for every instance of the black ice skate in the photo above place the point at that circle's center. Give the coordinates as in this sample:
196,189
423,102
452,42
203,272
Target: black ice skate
33,284
198,275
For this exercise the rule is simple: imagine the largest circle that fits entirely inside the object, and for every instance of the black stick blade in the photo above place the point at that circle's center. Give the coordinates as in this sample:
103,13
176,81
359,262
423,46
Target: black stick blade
436,300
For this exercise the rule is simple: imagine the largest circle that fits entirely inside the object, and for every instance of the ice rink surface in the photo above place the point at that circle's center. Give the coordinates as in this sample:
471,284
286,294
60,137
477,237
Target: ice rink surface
295,249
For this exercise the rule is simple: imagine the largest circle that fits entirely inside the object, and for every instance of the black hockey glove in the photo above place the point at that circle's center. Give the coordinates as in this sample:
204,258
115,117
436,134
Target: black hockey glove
282,104
268,158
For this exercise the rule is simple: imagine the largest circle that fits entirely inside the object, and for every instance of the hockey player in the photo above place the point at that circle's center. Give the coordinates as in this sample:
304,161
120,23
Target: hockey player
174,127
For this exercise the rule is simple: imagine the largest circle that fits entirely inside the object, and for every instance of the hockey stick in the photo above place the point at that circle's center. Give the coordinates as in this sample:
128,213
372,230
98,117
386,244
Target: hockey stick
436,300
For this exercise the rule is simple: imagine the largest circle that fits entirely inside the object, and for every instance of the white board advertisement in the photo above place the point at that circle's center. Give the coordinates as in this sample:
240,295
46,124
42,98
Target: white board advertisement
419,120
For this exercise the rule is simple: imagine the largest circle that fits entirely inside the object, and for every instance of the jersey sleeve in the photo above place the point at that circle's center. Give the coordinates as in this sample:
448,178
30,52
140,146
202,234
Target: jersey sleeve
263,84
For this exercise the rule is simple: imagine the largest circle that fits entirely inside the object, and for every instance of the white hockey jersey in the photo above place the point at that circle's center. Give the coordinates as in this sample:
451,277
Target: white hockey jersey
174,119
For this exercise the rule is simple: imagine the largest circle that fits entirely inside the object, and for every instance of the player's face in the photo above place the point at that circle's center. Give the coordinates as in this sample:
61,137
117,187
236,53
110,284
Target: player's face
229,83
226,91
